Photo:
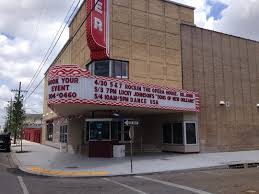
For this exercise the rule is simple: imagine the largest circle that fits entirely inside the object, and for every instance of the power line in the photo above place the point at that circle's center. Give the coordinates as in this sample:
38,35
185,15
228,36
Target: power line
67,44
51,48
42,12
51,52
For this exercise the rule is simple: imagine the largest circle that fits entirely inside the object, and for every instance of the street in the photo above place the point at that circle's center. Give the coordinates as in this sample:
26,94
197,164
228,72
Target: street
227,181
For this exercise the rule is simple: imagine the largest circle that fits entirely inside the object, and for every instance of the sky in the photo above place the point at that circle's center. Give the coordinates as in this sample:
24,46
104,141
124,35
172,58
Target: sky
27,28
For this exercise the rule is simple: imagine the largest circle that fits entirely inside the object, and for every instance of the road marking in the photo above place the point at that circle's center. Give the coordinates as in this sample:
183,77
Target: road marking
173,185
24,188
250,191
125,186
39,170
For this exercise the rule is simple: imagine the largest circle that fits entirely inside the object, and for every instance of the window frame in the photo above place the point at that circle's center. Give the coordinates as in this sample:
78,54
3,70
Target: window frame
62,135
48,129
91,67
110,129
183,134
167,124
95,120
196,132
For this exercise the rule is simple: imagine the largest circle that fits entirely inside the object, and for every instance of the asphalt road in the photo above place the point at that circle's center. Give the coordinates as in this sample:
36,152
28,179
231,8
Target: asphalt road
226,181
9,182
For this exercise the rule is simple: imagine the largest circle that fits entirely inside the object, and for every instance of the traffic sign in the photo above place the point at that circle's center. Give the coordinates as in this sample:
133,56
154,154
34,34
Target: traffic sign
131,122
131,133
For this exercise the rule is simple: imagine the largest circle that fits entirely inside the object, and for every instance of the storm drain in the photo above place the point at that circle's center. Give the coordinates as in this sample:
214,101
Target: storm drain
252,165
165,159
71,167
236,166
244,165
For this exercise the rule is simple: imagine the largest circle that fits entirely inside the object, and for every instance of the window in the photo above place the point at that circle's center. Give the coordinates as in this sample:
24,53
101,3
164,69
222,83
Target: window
109,68
177,133
120,69
106,129
49,132
99,130
101,68
190,133
167,133
85,136
63,134
115,130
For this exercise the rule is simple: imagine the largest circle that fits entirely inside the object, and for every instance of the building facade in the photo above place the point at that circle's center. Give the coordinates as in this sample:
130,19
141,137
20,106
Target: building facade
190,89
32,127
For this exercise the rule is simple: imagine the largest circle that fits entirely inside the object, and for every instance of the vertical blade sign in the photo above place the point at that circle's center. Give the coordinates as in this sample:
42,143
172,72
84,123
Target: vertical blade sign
98,28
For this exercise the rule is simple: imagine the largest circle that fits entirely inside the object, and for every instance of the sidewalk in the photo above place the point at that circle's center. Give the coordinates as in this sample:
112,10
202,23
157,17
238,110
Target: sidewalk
45,160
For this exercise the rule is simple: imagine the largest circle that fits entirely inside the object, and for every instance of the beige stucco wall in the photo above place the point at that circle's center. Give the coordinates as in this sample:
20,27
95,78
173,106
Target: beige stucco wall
75,132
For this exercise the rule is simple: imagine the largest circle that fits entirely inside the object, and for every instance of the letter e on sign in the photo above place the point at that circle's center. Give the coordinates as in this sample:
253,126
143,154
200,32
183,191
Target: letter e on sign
98,6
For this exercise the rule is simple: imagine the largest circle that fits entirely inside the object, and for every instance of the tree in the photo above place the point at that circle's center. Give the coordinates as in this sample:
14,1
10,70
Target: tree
9,118
18,115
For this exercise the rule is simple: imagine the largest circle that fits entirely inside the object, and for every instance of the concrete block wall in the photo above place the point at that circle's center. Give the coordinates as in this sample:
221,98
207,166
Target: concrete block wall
147,34
223,67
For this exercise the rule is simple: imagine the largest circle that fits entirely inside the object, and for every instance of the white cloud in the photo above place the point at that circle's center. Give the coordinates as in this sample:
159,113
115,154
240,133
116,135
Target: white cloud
240,19
200,13
27,27
5,92
5,96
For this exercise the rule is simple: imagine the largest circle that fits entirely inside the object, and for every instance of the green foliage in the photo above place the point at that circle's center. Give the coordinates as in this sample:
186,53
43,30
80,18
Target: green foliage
15,115
8,119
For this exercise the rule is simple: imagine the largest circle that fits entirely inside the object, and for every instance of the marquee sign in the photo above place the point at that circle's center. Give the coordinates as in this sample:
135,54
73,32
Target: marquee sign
98,28
69,84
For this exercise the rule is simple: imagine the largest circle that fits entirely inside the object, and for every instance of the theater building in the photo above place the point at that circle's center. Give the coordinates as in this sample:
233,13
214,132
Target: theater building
190,89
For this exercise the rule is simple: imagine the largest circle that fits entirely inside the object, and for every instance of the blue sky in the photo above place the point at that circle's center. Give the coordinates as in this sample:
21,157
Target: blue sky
216,9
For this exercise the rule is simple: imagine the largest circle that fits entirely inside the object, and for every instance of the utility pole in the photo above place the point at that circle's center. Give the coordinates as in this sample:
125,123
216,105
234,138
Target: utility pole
19,100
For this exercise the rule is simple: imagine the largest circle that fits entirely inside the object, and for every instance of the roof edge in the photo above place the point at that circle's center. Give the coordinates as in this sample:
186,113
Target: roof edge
222,33
180,4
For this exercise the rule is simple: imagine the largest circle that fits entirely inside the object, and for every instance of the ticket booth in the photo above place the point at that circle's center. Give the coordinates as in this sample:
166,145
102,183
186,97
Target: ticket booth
103,134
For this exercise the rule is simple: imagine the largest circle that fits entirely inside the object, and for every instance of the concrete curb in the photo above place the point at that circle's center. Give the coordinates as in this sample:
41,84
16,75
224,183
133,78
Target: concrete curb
24,169
63,174
15,161
58,173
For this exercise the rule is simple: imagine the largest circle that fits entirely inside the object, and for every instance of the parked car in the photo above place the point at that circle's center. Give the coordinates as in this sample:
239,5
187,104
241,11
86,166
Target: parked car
5,142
